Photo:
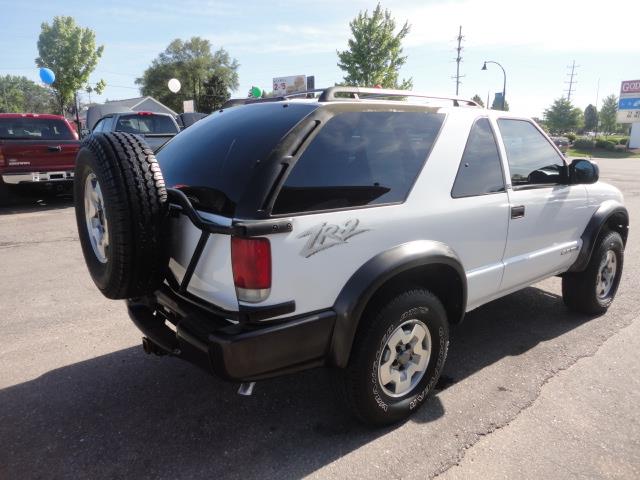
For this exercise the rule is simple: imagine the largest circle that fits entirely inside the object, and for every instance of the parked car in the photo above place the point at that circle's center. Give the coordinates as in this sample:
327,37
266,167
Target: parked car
349,231
155,128
563,143
36,149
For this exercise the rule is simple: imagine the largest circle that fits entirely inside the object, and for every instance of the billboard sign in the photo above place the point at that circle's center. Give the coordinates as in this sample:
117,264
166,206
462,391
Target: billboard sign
287,85
187,106
629,103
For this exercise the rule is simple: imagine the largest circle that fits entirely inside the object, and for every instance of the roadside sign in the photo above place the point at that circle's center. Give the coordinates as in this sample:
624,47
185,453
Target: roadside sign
629,102
291,84
187,106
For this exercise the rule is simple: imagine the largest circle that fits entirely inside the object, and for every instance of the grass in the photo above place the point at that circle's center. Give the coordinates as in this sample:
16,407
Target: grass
601,153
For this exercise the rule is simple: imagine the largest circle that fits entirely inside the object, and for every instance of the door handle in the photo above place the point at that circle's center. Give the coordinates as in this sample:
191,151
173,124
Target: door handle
517,212
56,148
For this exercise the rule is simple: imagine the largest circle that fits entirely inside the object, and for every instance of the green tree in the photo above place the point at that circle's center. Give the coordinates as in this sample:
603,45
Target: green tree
562,116
214,96
476,98
590,118
70,51
374,56
21,95
193,63
608,112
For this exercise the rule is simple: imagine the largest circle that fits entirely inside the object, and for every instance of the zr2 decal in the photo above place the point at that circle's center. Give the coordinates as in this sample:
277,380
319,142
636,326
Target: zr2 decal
327,235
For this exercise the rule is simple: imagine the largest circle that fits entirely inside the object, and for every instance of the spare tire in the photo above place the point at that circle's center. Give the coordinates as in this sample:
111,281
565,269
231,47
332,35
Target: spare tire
121,213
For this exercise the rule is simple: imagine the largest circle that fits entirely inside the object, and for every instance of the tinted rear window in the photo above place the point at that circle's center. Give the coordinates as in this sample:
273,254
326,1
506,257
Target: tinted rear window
360,158
212,160
34,129
146,124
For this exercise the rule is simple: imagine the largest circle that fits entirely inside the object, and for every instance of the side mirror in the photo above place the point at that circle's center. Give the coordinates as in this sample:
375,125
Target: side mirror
583,171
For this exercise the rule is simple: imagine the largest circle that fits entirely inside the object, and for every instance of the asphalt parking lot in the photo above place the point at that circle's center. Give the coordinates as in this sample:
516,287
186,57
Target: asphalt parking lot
530,390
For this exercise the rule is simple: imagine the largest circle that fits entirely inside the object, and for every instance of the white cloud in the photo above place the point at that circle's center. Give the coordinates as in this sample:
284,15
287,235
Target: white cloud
285,38
548,25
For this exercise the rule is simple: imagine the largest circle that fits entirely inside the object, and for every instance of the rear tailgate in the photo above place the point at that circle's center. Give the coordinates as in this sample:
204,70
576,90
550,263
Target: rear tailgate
38,155
156,141
212,279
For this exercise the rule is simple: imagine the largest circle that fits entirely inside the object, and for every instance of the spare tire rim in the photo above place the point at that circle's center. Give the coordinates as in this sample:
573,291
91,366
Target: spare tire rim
606,274
404,358
96,219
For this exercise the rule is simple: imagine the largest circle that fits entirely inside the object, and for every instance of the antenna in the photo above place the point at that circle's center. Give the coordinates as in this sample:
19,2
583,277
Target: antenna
571,81
458,60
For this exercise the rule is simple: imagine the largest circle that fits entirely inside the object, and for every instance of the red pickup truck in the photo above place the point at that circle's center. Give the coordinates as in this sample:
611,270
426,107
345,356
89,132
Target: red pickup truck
36,149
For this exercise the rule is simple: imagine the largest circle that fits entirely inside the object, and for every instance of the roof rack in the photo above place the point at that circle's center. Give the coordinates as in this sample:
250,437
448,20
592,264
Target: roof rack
331,94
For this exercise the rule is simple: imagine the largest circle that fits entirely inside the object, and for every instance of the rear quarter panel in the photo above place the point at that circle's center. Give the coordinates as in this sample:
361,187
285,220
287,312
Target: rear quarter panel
313,263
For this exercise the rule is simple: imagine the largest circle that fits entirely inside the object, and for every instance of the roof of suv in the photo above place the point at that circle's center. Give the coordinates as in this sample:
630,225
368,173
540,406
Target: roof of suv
376,96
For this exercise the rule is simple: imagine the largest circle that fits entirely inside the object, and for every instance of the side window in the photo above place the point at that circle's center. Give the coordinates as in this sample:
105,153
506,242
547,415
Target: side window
480,170
360,158
107,124
532,159
99,125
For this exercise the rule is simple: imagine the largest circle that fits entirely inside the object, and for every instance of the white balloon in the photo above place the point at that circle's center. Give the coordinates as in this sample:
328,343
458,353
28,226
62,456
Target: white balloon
174,85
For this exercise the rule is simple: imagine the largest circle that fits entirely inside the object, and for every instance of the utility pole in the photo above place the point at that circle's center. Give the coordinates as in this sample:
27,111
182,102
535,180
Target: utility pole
458,60
597,112
571,81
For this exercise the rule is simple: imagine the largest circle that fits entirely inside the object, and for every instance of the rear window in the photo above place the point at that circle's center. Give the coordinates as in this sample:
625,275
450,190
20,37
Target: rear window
360,158
27,128
213,160
146,124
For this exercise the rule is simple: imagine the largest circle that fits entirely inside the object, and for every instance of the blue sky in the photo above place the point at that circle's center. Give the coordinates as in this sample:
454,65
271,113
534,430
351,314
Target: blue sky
534,41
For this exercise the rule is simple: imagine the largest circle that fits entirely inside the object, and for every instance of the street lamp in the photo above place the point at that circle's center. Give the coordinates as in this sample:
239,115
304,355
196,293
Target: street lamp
504,85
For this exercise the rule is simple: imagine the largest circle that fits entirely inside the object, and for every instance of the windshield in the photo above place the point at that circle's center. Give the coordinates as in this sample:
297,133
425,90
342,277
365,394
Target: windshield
27,128
146,124
212,161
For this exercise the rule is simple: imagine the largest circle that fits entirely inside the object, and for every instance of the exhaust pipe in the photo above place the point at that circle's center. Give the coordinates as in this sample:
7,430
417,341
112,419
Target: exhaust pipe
149,347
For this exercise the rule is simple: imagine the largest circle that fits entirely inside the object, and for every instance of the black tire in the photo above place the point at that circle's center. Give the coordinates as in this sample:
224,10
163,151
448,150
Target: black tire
5,194
363,390
135,209
579,288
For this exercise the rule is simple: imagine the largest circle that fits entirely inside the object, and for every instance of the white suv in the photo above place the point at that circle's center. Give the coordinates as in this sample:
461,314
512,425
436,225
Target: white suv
347,230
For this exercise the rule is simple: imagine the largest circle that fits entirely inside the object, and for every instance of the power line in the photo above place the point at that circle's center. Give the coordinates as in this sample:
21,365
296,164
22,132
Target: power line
458,60
571,81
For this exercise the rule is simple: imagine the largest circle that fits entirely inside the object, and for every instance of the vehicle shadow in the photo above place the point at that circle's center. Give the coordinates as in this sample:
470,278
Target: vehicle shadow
35,200
129,415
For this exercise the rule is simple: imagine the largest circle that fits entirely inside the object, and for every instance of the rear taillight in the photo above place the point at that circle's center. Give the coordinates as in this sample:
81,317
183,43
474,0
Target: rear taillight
3,162
145,113
251,264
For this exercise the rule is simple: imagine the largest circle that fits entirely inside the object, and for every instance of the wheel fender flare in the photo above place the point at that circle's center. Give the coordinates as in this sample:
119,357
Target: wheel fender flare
372,275
598,220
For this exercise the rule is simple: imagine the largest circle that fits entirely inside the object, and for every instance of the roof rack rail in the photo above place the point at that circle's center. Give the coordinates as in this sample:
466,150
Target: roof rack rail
245,101
356,94
329,95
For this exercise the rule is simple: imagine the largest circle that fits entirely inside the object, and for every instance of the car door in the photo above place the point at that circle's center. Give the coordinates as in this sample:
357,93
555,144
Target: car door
480,207
547,216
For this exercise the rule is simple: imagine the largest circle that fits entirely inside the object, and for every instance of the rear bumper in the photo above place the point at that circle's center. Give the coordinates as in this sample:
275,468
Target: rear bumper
233,350
37,177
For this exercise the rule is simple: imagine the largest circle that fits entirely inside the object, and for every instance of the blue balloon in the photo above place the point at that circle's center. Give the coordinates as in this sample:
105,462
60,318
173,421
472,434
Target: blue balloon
47,76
